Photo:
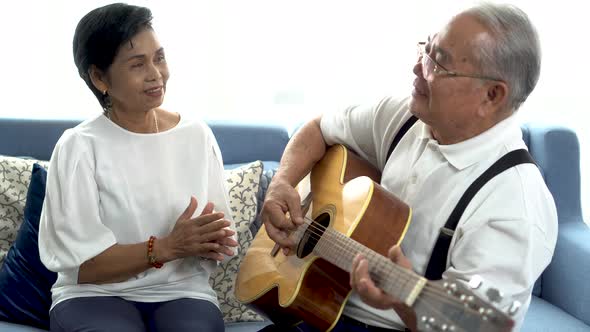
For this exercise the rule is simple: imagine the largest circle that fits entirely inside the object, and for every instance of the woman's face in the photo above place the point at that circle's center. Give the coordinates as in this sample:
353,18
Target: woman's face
136,81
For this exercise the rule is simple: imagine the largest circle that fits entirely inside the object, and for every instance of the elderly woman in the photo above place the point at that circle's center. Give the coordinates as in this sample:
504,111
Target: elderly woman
129,253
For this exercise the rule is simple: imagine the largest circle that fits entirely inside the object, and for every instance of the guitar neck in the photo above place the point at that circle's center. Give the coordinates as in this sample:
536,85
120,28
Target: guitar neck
340,250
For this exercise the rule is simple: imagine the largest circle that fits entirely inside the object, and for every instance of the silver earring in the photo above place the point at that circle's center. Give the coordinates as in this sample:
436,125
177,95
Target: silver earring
108,103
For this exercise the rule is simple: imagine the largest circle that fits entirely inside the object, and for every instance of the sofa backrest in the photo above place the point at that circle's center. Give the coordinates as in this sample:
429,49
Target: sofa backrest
557,153
556,150
31,138
239,142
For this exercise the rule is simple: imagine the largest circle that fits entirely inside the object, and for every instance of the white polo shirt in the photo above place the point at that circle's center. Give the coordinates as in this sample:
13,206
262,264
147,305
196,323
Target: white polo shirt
507,233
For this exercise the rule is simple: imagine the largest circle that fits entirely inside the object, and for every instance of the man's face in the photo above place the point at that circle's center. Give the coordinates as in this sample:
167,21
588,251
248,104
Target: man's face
449,103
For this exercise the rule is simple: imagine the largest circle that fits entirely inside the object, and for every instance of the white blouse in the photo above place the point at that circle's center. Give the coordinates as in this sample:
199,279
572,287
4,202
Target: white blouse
106,186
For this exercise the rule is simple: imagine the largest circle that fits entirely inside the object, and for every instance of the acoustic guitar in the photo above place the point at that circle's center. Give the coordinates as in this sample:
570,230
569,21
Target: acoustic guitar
350,214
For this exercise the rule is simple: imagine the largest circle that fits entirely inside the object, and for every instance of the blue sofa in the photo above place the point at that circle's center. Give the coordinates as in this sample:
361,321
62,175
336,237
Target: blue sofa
561,300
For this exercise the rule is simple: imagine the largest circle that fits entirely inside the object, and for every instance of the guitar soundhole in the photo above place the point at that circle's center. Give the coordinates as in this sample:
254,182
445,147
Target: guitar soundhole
312,235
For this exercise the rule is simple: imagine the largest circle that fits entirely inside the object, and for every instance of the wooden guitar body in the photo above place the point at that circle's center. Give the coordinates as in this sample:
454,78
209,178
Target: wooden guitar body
346,198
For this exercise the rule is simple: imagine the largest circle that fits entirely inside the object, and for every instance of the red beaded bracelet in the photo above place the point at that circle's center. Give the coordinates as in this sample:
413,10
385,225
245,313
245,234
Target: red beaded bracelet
150,254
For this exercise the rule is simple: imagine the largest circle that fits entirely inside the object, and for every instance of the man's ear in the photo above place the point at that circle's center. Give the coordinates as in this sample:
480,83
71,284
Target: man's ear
98,78
496,97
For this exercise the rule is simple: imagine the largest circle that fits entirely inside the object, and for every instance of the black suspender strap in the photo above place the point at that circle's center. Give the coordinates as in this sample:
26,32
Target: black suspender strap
409,123
438,260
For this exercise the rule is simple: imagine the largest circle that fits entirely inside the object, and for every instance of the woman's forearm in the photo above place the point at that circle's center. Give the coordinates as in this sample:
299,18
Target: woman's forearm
119,263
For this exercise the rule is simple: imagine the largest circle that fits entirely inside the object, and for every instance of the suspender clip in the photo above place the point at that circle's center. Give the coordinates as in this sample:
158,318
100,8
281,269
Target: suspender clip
447,231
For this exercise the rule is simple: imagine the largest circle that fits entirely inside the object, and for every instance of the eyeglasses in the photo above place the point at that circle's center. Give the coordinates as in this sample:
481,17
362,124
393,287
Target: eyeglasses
431,68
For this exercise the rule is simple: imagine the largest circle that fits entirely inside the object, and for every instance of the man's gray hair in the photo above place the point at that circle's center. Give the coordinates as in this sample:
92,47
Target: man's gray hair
514,56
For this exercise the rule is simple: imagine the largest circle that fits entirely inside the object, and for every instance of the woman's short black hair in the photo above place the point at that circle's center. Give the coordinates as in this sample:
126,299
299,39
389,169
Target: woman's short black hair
99,35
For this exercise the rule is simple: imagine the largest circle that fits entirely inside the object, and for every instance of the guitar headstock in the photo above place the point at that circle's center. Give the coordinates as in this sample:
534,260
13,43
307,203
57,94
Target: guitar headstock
448,305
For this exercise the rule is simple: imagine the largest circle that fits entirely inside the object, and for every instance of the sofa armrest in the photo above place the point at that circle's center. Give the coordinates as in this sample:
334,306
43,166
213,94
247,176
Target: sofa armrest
565,282
557,153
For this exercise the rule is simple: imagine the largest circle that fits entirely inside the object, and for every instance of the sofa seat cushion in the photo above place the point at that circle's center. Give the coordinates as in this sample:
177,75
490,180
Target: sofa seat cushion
543,316
241,326
11,327
229,327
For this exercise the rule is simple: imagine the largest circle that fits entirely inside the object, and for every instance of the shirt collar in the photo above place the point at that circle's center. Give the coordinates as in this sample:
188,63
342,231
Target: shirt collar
466,153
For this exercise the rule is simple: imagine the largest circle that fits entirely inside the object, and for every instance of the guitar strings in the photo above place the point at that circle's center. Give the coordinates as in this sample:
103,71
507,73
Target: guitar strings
442,317
387,266
384,266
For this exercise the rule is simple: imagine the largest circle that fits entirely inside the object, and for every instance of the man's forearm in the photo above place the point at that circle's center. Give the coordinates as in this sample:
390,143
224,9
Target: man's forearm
305,149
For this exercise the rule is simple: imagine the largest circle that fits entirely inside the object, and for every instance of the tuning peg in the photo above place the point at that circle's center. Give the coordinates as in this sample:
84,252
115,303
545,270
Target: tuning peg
514,307
494,295
475,282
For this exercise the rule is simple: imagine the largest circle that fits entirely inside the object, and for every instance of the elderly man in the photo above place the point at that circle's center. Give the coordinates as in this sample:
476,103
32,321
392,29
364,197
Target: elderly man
471,77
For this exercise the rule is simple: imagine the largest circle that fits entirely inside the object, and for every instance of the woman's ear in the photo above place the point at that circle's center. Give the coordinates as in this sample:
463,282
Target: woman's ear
98,79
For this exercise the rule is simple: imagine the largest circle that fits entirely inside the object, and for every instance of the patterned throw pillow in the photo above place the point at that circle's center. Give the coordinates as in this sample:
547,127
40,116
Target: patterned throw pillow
15,175
242,184
265,180
25,283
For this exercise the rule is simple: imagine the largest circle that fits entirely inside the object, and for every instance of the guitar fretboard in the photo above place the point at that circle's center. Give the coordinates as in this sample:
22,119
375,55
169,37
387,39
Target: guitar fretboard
340,250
